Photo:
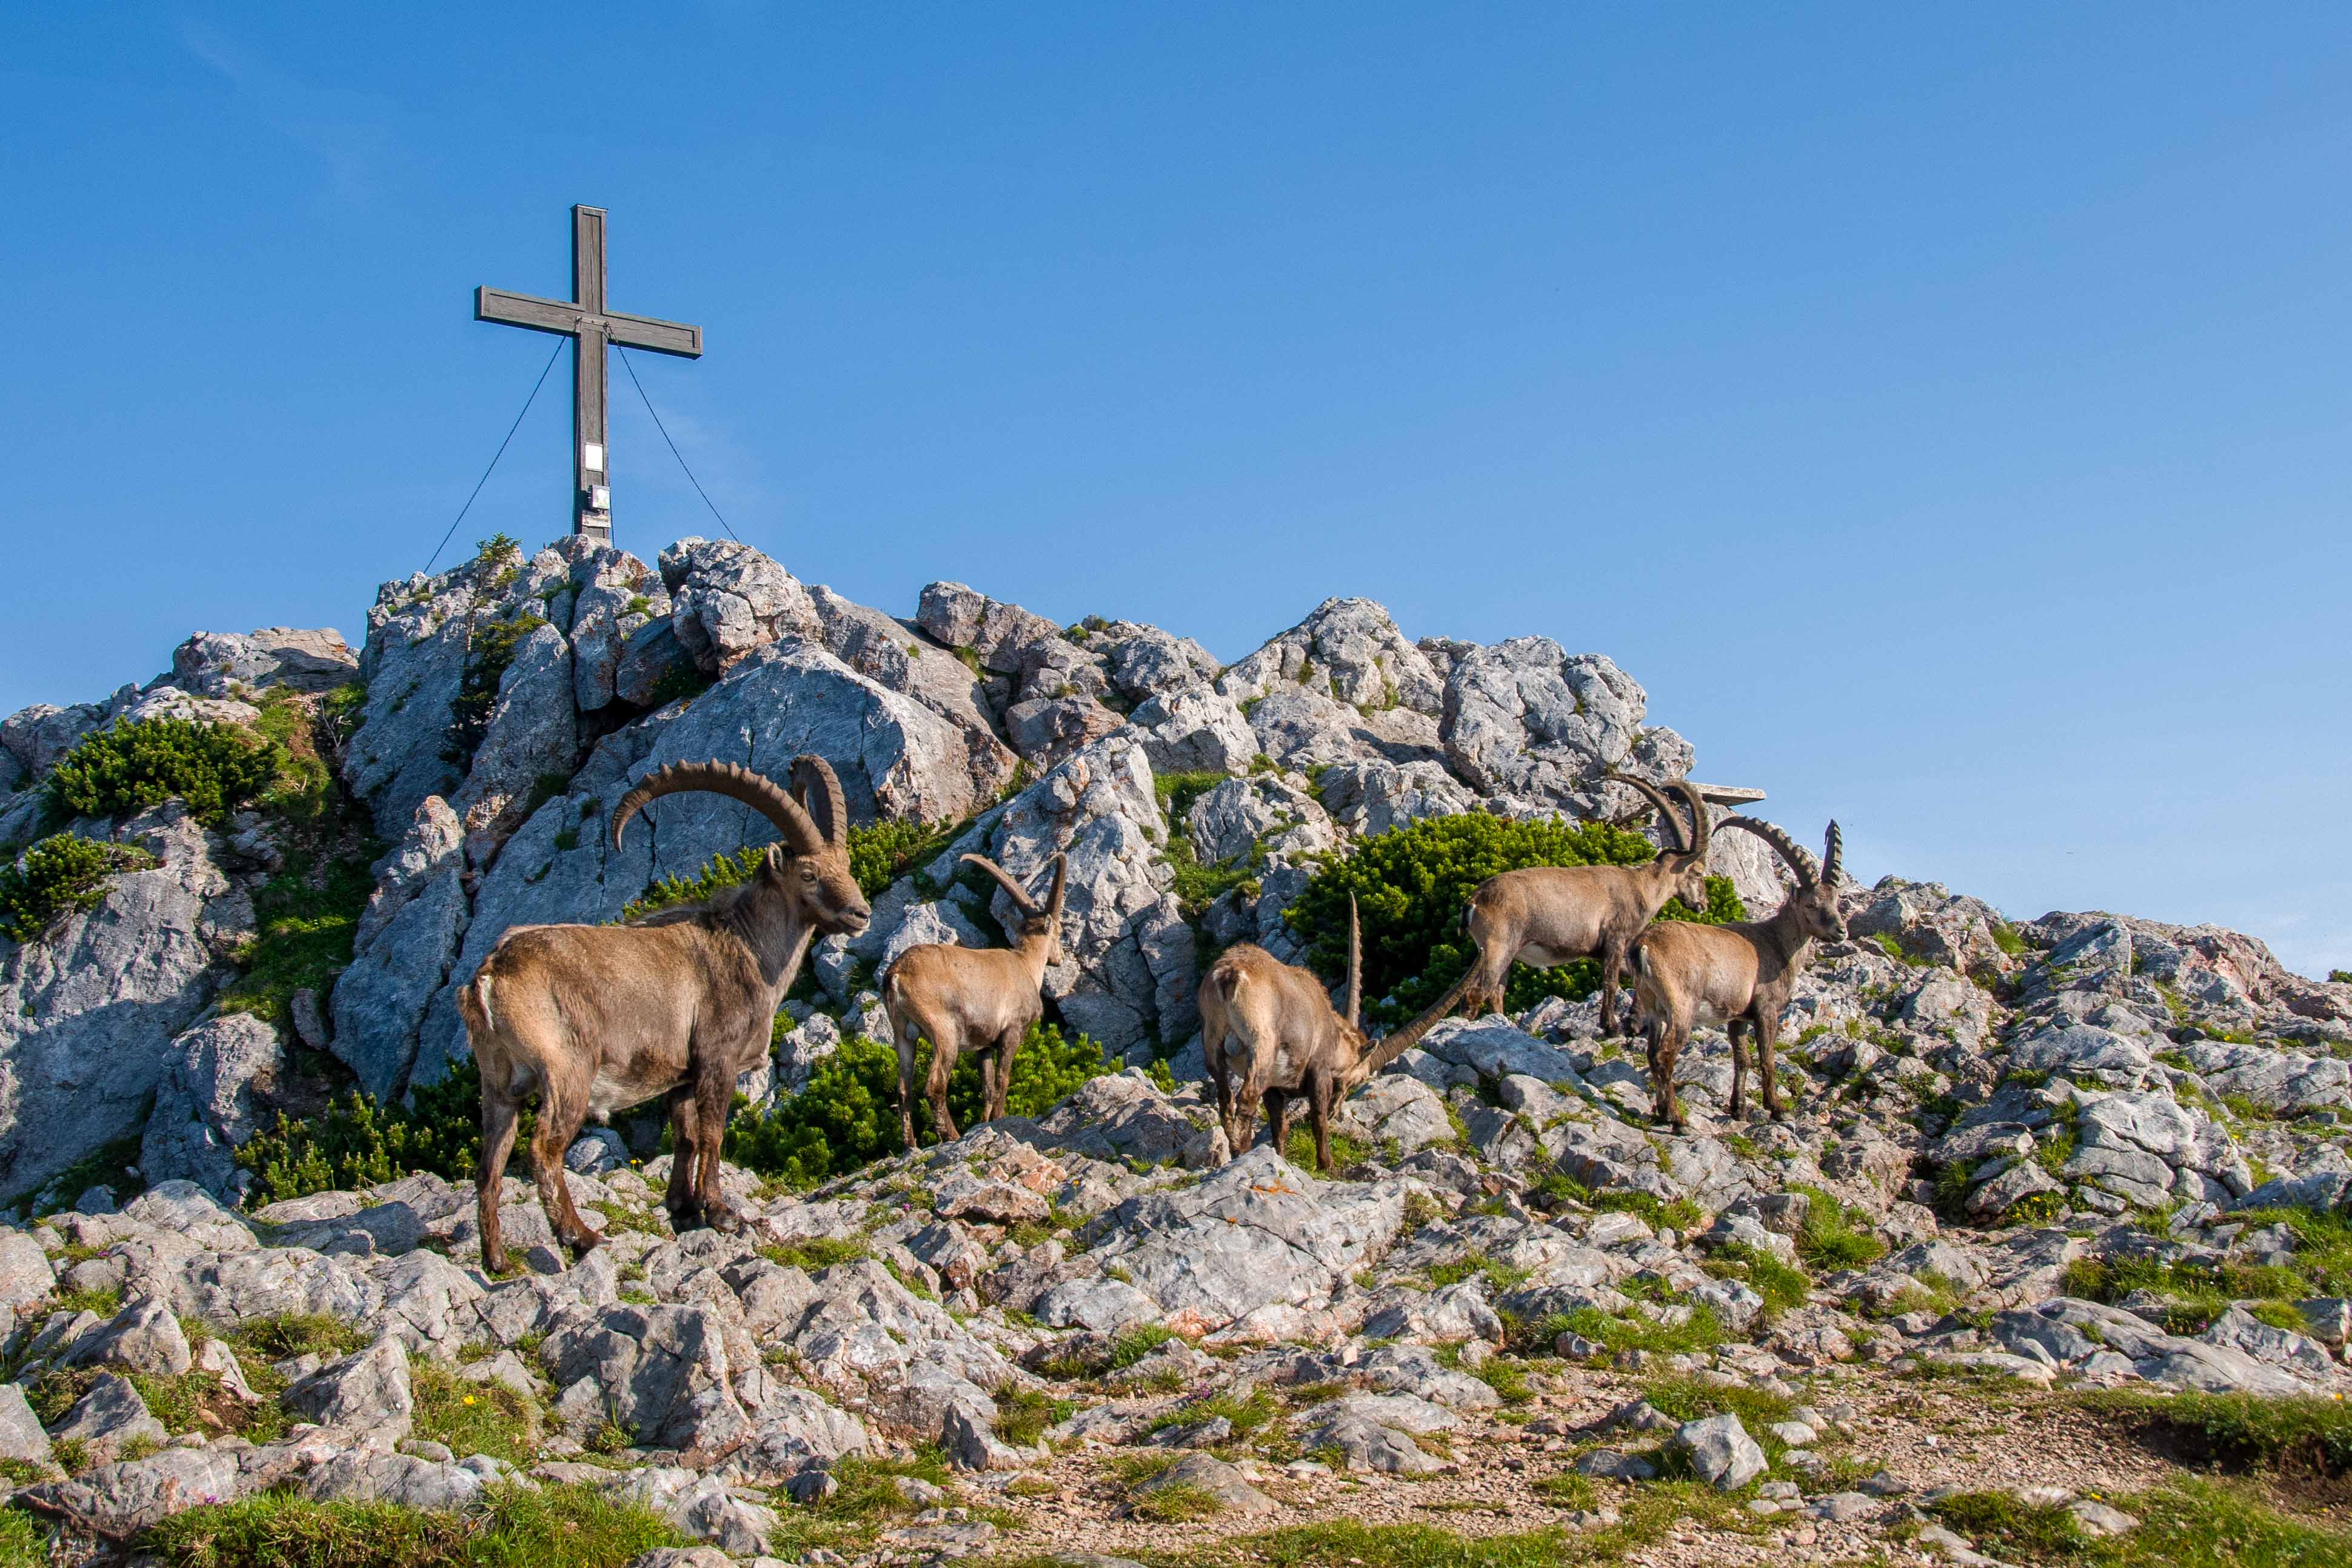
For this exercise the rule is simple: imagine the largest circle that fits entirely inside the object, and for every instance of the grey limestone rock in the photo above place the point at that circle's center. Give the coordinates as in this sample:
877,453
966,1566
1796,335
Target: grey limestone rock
367,1394
86,1011
662,1372
109,1416
1213,1476
1528,722
1256,1234
21,1437
144,1336
127,1497
366,1475
226,663
728,600
1350,651
204,1102
1195,730
26,1276
1721,1451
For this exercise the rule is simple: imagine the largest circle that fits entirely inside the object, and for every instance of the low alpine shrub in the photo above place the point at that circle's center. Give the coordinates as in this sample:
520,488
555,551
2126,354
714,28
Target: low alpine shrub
58,876
217,769
848,1113
360,1141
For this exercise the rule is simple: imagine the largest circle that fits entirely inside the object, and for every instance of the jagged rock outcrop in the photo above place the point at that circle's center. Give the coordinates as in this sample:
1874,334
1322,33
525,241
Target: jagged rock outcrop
87,1012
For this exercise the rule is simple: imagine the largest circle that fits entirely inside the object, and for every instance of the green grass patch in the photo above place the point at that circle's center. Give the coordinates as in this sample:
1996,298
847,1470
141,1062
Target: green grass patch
1646,1516
1835,1235
285,1334
2303,1436
577,1527
306,917
473,1417
2006,1526
1701,1331
1178,1502
1496,1277
1346,1152
1782,1287
816,1253
1681,1214
1246,1415
1022,1415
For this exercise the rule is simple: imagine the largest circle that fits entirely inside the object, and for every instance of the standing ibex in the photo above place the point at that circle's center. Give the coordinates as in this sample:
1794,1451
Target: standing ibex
596,1018
963,999
1274,1027
1550,915
1739,976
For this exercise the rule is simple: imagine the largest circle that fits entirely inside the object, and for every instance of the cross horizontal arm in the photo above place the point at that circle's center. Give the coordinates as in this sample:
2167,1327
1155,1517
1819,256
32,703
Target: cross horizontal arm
653,335
648,332
528,310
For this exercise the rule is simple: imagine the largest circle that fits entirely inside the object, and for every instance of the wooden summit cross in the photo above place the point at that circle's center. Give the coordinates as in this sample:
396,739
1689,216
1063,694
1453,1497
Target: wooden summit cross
585,319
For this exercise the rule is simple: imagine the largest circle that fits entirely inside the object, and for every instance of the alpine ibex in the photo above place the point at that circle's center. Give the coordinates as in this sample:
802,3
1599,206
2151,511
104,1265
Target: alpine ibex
595,1018
1272,1026
970,998
1550,915
1739,976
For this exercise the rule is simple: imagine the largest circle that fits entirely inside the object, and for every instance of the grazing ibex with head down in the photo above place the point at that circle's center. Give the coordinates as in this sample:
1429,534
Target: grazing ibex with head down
1738,976
596,1018
1550,915
973,998
1269,1035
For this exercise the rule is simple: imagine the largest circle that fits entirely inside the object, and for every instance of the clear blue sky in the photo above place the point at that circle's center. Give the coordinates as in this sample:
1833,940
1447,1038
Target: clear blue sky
1942,410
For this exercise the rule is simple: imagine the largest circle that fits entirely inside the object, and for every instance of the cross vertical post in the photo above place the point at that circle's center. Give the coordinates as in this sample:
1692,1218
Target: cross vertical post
591,477
591,326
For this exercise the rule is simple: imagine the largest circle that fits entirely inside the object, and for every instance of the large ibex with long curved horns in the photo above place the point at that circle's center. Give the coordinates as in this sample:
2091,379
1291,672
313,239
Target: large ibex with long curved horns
1686,974
1550,915
593,1018
973,998
1270,1036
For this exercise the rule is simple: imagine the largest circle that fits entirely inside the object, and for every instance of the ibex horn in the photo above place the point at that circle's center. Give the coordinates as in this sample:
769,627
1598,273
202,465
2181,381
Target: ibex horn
1355,966
1020,895
819,789
1799,861
1670,824
736,782
1701,821
1835,852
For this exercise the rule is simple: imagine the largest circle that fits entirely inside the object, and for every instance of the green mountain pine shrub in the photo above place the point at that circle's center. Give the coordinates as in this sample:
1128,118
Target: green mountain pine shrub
217,769
848,1113
359,1141
58,876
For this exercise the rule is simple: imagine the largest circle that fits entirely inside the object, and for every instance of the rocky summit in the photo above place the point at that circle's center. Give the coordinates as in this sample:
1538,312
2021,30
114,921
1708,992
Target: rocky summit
2055,1226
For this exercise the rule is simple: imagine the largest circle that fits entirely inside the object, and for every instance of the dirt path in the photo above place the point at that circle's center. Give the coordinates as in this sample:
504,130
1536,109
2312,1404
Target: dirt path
1925,1434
